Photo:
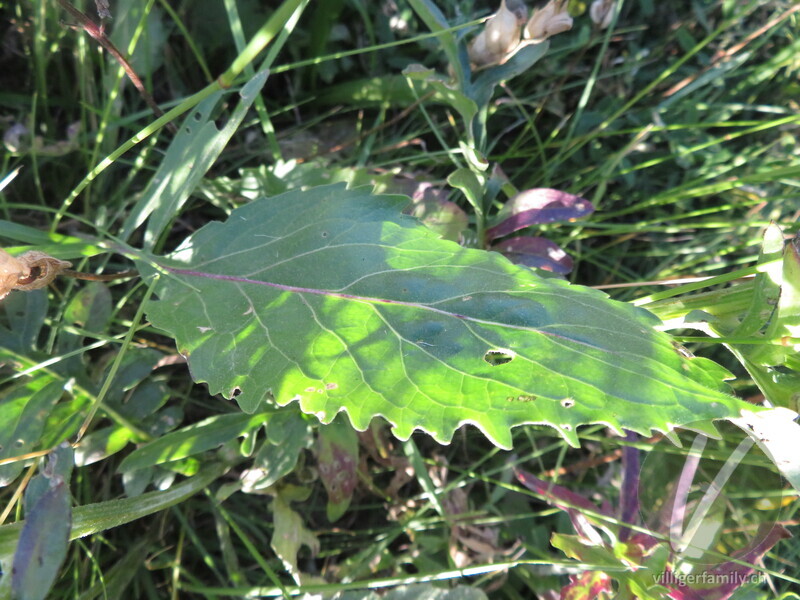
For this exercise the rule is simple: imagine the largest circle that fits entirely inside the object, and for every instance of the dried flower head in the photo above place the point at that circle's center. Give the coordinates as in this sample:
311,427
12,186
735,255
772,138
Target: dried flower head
29,271
553,18
42,269
11,270
602,12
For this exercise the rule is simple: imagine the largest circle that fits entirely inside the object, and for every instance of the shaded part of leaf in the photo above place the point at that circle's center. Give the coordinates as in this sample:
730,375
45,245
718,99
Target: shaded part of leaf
136,366
466,181
24,416
274,461
42,544
537,207
287,424
24,317
64,419
147,400
90,308
426,81
535,252
136,482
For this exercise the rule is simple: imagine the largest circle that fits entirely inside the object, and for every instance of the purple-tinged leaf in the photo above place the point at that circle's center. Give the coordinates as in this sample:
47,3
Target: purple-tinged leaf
42,544
442,216
629,498
538,207
733,575
337,460
557,495
570,502
535,252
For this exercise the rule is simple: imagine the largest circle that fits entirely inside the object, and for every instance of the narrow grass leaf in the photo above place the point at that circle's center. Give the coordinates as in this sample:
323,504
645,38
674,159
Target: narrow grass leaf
196,147
207,434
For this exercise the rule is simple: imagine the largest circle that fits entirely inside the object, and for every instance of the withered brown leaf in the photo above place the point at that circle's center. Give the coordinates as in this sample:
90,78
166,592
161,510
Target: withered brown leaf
11,270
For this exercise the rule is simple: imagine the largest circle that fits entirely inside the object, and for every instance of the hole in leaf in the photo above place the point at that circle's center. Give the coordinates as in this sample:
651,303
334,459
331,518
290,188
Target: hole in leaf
499,356
235,392
568,403
681,350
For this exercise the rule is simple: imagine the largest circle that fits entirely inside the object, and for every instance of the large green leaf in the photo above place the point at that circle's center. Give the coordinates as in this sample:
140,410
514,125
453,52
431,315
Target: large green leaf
331,297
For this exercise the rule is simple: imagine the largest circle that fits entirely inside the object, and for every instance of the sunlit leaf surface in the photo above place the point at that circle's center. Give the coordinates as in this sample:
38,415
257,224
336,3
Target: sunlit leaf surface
331,297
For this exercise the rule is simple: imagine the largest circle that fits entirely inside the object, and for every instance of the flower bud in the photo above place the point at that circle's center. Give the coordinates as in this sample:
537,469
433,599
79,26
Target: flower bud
602,12
498,38
548,21
479,54
502,31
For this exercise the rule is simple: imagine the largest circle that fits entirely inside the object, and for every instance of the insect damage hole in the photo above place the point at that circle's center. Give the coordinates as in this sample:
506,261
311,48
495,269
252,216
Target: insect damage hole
499,356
